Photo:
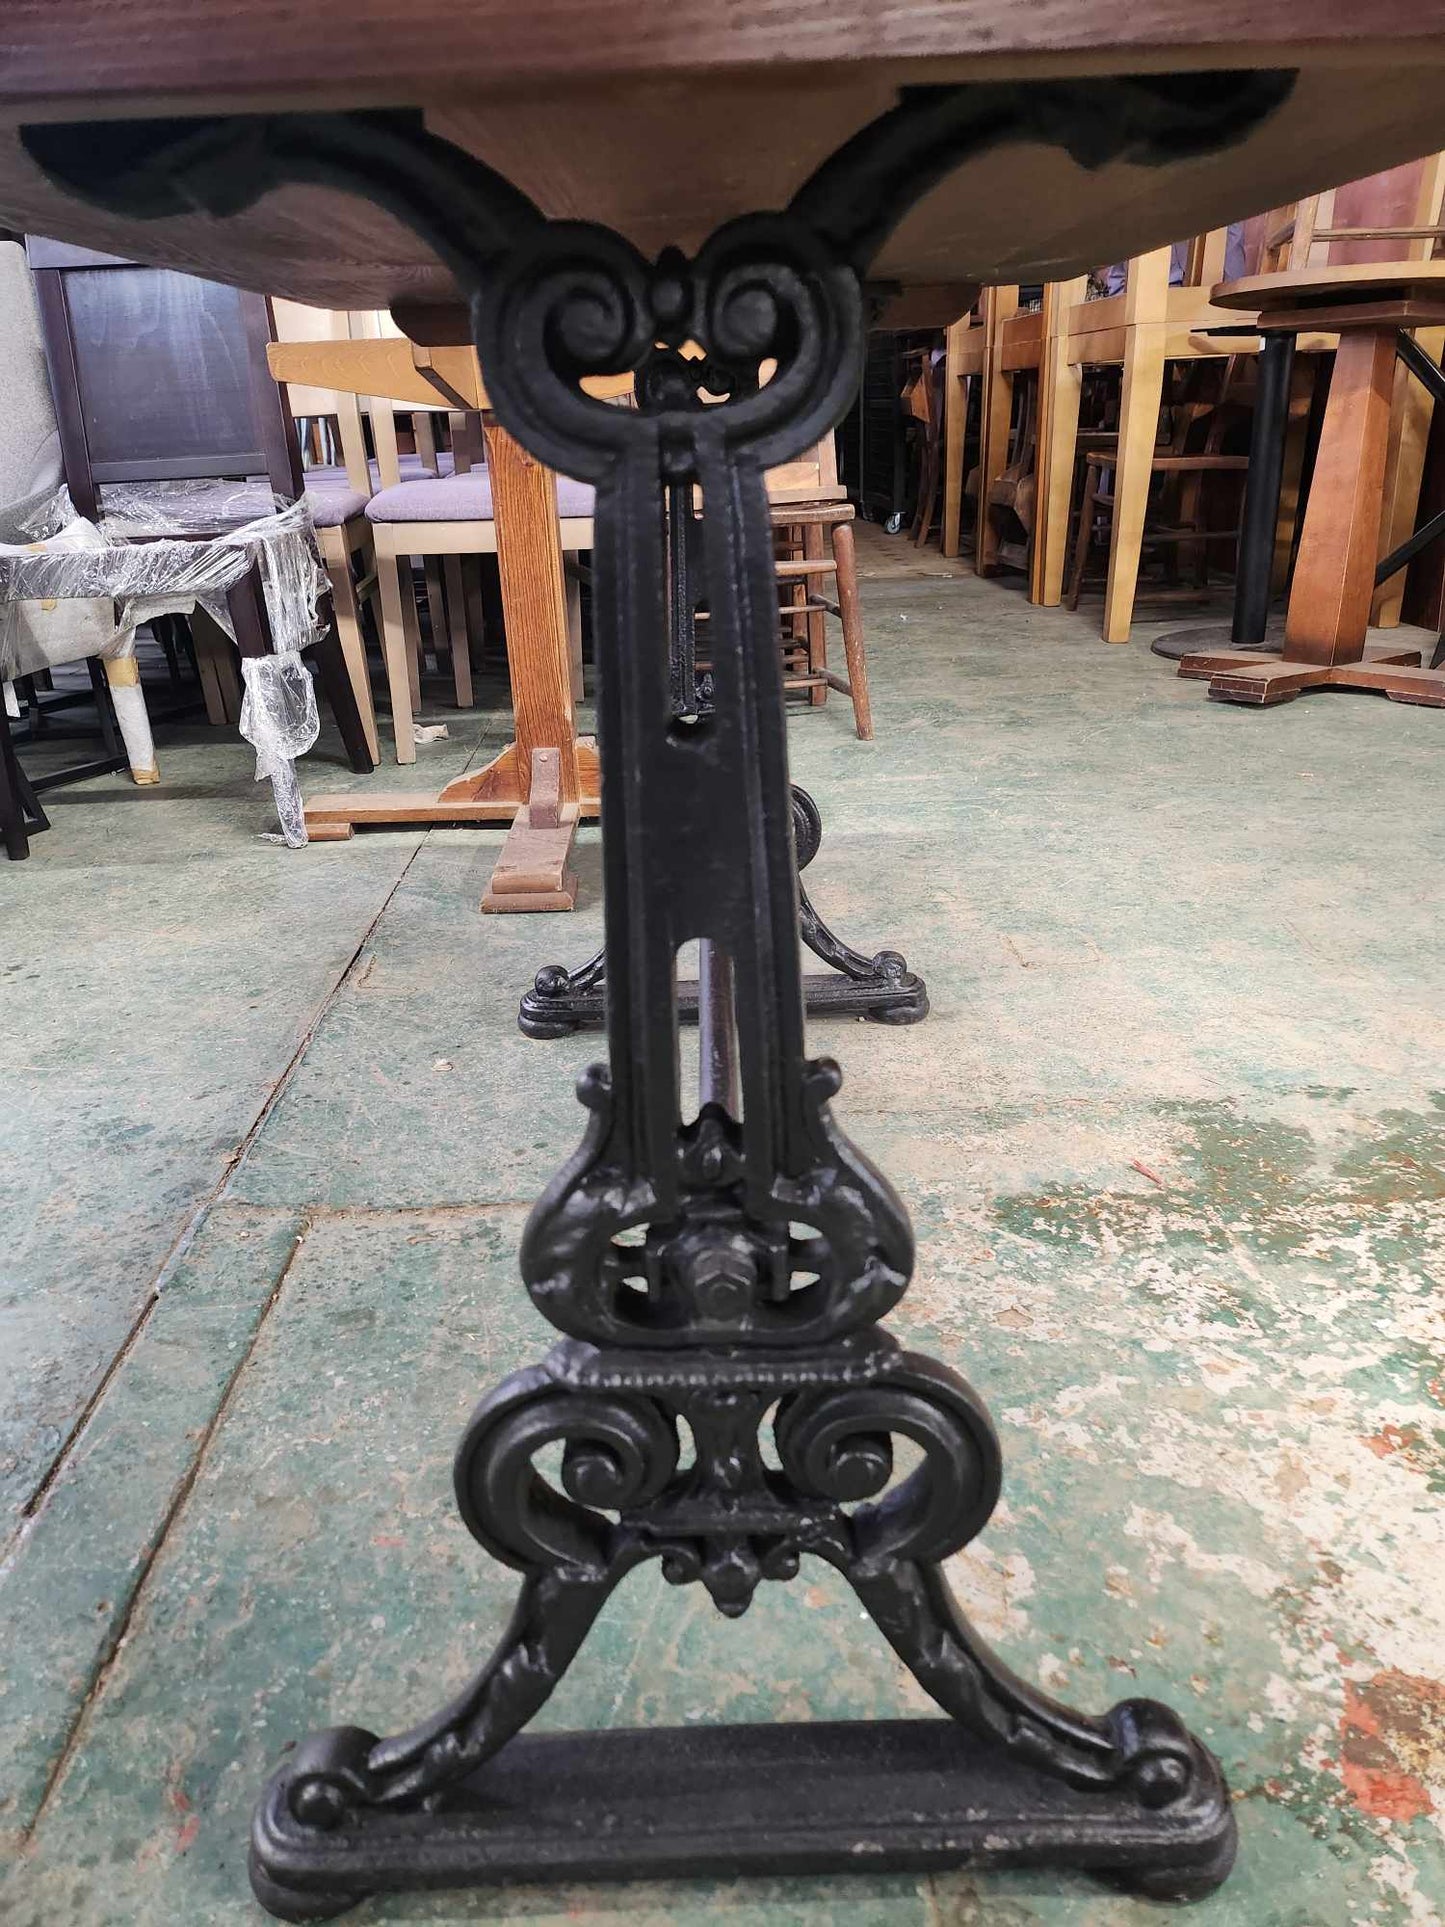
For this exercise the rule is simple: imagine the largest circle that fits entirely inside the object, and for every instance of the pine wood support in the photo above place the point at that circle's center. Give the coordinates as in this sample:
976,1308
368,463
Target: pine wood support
1061,383
1329,605
531,872
998,305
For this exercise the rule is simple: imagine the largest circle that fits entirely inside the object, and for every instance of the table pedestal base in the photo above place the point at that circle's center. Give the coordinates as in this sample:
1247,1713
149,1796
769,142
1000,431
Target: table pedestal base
708,1802
881,988
492,795
724,1398
1246,676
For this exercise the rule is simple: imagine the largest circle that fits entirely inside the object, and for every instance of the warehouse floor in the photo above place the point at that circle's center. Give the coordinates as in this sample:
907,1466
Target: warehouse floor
1174,1143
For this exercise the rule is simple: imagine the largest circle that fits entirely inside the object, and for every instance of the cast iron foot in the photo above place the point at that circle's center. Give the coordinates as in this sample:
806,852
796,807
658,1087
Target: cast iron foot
880,988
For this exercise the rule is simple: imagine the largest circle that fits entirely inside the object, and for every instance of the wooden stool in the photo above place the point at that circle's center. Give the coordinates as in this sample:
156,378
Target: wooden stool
806,652
1371,308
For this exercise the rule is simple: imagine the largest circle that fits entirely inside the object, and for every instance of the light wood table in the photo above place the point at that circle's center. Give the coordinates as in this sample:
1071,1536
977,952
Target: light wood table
1372,308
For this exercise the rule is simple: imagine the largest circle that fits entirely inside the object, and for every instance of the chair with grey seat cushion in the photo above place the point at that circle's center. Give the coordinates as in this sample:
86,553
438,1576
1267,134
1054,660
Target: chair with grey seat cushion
449,516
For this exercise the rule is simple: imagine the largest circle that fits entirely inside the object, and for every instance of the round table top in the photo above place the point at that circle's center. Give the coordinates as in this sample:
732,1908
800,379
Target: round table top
664,118
1325,285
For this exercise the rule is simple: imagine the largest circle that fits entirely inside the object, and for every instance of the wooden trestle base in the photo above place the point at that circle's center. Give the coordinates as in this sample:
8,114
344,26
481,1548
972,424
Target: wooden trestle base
1246,676
531,872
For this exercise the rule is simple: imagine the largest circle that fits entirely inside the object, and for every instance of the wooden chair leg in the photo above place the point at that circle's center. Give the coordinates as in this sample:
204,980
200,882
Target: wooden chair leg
353,649
1138,434
927,494
845,562
334,675
475,607
815,622
574,634
122,675
411,628
395,643
1058,442
216,667
457,630
12,813
431,570
1410,418
955,424
1084,539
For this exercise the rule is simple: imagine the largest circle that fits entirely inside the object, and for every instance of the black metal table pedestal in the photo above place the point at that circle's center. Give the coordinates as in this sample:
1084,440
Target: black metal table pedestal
881,988
1264,479
714,1275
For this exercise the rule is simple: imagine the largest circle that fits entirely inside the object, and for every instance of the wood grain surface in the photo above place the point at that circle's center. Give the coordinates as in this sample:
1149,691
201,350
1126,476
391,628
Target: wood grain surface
665,122
371,48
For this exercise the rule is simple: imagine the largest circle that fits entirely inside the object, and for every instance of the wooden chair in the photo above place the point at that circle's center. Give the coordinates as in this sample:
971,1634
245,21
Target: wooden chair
925,399
1182,521
160,381
443,517
1394,216
1140,330
337,490
813,520
963,368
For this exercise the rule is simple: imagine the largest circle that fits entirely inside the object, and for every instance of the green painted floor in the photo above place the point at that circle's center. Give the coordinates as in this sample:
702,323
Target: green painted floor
1173,1139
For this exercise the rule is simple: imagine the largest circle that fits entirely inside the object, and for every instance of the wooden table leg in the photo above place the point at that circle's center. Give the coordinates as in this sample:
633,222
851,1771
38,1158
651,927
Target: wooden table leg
533,874
1334,578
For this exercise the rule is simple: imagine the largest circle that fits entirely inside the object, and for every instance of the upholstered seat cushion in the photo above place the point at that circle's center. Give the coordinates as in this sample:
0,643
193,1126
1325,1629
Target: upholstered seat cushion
463,498
412,468
332,502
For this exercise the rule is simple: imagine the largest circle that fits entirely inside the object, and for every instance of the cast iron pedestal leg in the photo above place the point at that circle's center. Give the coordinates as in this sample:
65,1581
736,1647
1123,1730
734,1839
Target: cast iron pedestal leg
881,988
722,1276
1262,485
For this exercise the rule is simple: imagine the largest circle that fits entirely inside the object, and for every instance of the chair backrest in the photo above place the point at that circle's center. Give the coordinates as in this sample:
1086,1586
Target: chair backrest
29,444
293,322
158,376
1392,216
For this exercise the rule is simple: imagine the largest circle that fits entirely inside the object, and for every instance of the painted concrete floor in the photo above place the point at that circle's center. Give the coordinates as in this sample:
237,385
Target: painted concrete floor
1173,1138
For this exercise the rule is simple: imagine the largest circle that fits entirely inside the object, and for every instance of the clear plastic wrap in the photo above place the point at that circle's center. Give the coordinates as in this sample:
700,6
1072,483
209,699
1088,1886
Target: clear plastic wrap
156,552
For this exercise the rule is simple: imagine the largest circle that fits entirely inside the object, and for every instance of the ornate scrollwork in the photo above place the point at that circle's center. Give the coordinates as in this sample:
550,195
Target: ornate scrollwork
717,1267
704,1271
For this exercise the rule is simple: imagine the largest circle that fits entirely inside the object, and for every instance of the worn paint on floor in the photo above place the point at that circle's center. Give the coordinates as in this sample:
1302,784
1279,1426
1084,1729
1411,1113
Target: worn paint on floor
1174,1141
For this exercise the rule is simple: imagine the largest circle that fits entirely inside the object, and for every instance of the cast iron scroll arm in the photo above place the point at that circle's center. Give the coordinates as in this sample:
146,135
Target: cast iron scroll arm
707,1271
881,987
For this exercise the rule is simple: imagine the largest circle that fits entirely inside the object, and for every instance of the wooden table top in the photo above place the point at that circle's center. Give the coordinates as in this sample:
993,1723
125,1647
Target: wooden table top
664,118
1294,287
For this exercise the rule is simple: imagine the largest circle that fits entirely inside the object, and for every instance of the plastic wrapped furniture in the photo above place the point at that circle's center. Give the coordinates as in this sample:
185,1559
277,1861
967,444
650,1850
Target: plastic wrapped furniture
268,539
171,425
40,632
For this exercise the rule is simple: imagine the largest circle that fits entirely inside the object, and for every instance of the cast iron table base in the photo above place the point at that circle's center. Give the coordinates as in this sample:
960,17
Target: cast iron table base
881,988
717,1275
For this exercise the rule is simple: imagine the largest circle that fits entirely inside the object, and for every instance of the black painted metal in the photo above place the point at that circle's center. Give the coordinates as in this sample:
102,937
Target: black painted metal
1432,378
1262,485
881,988
712,1275
1250,624
21,815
